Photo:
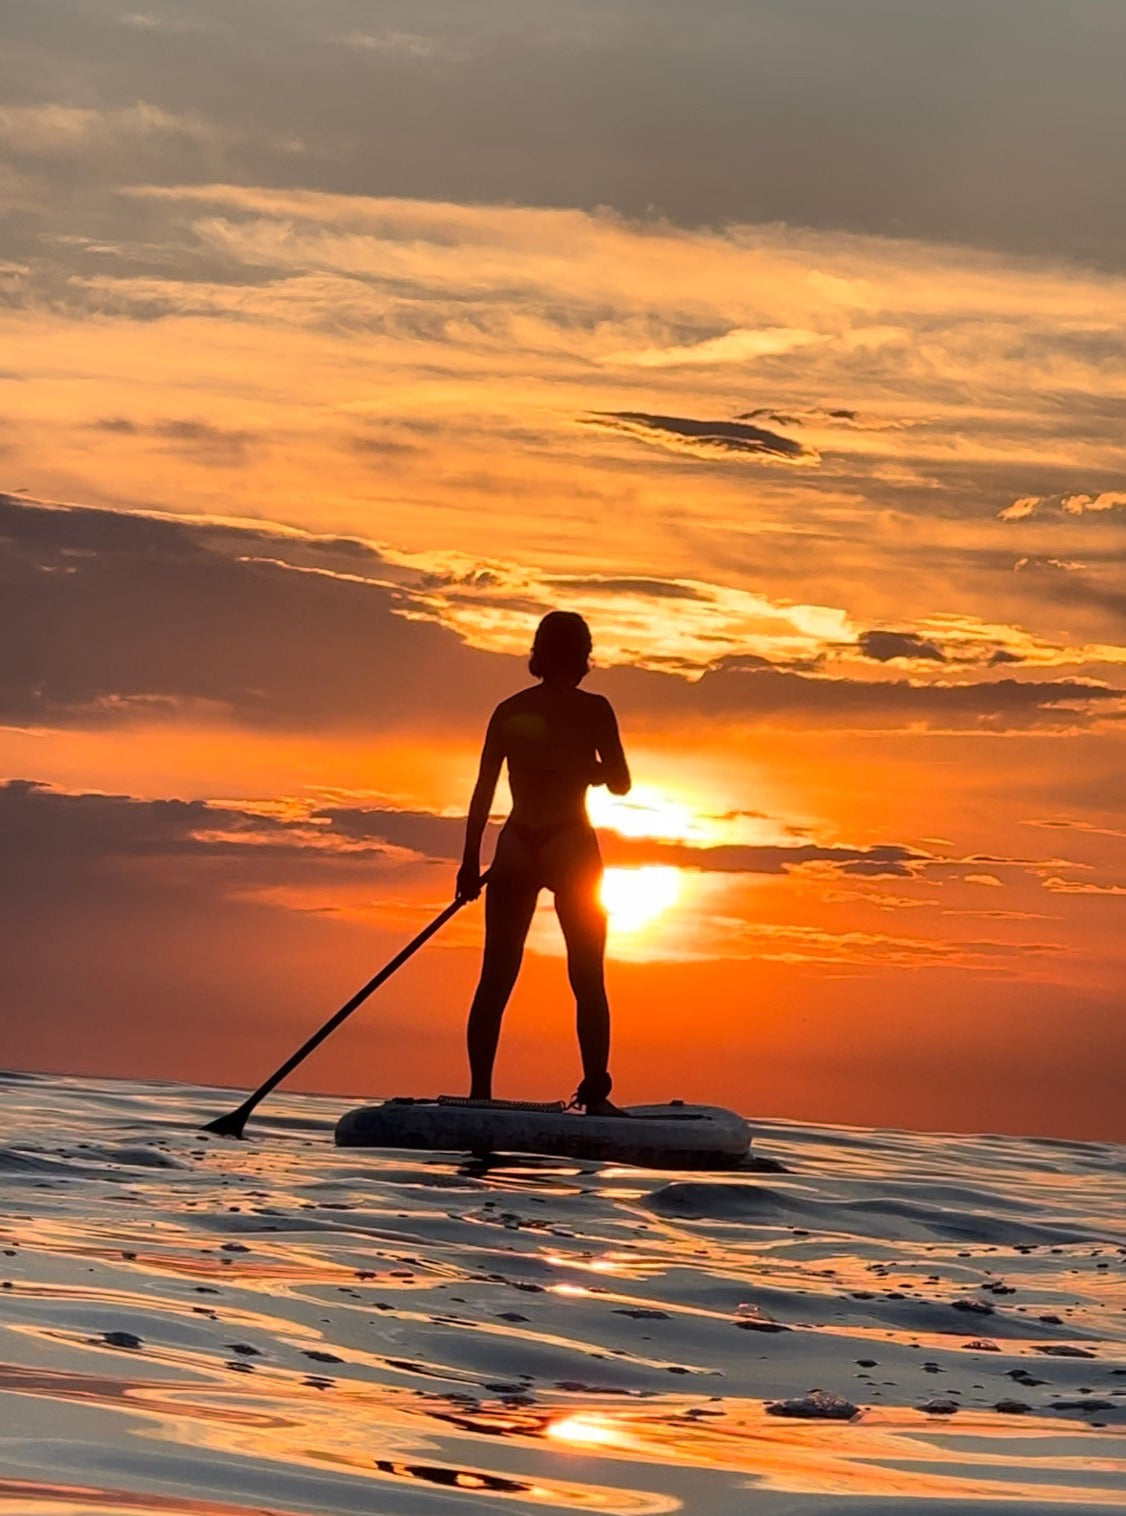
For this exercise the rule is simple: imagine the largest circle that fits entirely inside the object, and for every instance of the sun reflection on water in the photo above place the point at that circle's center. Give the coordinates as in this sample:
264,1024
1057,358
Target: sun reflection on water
584,1431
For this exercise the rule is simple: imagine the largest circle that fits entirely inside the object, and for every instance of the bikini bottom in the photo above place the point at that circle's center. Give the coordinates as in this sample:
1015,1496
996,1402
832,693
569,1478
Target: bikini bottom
562,856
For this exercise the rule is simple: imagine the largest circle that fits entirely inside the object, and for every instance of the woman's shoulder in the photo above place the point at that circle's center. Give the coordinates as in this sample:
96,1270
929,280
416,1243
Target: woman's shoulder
522,700
596,704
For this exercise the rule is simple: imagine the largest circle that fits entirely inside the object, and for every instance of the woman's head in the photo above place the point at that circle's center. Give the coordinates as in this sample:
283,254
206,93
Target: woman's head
561,648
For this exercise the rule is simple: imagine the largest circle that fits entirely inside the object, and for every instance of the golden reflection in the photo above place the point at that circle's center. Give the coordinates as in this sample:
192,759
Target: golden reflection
593,1265
584,1431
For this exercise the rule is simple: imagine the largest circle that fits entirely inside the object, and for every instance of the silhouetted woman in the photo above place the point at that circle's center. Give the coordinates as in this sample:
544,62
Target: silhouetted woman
558,740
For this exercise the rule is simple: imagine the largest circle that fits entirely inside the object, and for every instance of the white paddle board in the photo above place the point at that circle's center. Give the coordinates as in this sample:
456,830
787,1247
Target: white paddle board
657,1136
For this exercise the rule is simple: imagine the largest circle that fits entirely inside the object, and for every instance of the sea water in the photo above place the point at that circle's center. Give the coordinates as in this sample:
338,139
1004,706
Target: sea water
872,1321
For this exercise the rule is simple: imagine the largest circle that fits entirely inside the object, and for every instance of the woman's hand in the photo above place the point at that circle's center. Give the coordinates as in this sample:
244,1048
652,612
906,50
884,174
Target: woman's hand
597,774
468,881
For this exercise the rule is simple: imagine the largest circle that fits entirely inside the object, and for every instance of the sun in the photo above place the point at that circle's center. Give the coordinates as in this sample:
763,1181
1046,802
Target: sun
635,897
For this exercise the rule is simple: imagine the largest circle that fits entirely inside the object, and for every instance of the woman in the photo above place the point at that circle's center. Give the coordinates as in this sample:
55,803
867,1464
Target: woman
558,740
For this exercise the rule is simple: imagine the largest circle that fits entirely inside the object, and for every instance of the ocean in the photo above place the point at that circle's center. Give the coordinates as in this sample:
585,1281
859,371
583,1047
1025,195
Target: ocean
868,1322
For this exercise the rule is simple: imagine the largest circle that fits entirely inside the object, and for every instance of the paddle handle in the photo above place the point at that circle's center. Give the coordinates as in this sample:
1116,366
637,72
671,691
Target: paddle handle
232,1124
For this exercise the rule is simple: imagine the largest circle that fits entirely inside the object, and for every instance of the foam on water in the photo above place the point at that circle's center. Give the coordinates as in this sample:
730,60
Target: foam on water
895,1321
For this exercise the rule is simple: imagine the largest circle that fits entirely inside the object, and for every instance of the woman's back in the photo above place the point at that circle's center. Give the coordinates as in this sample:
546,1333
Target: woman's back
551,736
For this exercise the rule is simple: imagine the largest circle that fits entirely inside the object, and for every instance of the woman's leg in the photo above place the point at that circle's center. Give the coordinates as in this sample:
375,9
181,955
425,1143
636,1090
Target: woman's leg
583,920
509,905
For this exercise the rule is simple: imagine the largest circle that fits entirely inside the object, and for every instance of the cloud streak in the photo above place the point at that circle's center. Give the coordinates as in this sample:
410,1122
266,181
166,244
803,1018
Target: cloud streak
704,439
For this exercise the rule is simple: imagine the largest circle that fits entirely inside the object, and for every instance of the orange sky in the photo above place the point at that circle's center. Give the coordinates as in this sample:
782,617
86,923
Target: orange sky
301,436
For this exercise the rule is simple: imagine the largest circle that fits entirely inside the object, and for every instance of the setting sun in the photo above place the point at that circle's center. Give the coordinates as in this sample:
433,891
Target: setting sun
635,897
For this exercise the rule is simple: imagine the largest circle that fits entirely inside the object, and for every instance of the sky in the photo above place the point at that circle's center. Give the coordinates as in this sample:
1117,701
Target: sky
339,342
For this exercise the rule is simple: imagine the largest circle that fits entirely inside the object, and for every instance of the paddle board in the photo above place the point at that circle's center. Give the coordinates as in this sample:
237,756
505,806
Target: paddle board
655,1136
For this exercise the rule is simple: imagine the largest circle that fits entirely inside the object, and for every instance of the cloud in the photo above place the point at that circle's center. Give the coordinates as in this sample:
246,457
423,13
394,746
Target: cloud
52,834
704,439
845,144
826,416
1062,582
741,345
52,824
442,837
112,616
1082,505
884,646
397,44
794,943
740,692
599,584
55,130
1077,504
1082,887
80,846
422,832
213,444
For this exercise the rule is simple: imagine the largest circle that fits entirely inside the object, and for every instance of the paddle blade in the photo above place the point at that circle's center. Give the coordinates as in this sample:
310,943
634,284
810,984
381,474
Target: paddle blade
230,1125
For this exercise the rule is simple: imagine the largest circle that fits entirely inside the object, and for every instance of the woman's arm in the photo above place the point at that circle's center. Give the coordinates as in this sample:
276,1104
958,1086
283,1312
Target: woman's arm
492,756
613,768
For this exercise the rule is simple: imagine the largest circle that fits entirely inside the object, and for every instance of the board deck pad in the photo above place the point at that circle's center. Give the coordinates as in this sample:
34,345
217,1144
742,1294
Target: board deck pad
675,1135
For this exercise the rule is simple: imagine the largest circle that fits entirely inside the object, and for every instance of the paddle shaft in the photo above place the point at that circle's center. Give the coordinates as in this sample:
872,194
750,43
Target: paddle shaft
232,1124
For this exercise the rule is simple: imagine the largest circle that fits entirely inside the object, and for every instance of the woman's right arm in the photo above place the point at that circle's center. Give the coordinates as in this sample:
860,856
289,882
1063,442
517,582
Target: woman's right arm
492,756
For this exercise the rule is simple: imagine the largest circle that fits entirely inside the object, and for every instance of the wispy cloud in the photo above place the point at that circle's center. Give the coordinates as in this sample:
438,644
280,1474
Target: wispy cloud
704,439
1077,504
741,345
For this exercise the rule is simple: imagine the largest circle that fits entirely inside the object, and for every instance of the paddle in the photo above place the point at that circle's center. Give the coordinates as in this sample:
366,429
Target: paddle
233,1123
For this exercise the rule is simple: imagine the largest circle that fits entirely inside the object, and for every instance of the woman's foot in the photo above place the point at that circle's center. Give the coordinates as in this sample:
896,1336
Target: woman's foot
593,1096
603,1107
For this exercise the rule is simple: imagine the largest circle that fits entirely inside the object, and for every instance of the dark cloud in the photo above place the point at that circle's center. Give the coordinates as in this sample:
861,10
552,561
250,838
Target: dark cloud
109,615
656,589
108,612
420,831
383,447
527,102
740,689
883,646
442,836
822,415
50,825
212,444
1060,586
704,439
879,862
50,833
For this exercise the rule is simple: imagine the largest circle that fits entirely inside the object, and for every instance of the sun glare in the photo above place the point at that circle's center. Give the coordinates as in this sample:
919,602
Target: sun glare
648,811
635,897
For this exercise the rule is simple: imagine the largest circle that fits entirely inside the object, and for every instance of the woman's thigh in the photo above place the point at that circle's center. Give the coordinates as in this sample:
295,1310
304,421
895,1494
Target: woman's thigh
510,903
576,878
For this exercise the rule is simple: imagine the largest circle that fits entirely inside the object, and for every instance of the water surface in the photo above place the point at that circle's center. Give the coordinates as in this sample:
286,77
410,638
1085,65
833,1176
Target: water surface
196,1325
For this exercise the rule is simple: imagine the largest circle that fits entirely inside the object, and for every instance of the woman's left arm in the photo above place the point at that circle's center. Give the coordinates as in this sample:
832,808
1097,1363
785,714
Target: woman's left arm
613,768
